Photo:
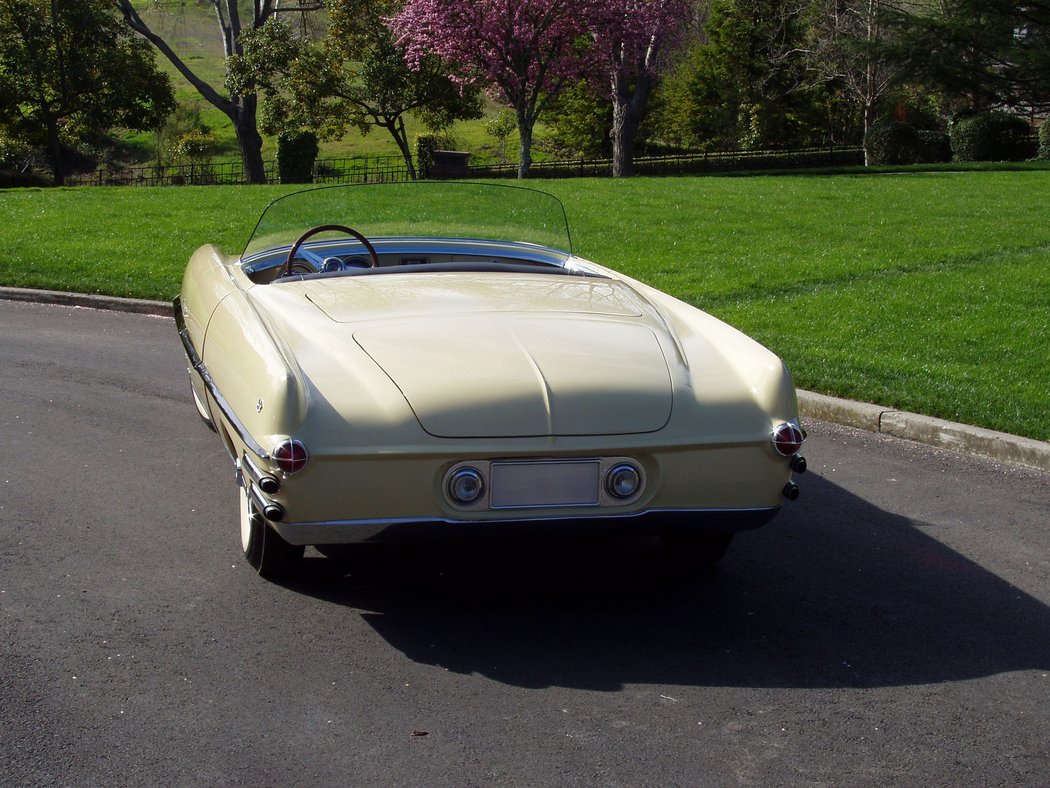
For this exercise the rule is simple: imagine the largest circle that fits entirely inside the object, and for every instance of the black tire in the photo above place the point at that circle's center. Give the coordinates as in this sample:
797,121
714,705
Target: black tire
264,549
688,549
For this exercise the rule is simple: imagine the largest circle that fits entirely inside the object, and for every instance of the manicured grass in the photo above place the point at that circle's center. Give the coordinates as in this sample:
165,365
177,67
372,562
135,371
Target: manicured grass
927,292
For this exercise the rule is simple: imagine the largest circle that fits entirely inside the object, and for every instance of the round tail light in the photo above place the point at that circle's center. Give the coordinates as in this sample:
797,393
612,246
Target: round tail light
623,481
465,486
290,456
787,439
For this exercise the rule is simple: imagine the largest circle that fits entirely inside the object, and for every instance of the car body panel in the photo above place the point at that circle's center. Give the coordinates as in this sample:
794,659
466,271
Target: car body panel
392,378
519,375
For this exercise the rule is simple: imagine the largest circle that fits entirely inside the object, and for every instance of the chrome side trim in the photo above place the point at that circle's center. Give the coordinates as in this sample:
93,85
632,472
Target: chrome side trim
198,366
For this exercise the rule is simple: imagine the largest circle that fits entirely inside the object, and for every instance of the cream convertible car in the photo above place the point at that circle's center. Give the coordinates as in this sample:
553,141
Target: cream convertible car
389,361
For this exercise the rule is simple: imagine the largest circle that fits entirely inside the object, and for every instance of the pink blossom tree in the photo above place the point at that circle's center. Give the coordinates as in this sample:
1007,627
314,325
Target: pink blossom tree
631,41
524,51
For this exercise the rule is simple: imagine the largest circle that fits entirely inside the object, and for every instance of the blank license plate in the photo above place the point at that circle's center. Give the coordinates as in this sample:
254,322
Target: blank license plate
519,484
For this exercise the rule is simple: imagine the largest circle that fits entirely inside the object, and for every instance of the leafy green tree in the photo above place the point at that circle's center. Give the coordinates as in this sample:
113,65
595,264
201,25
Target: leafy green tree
578,122
853,44
69,68
356,76
745,87
240,107
674,114
500,128
1029,61
750,78
980,54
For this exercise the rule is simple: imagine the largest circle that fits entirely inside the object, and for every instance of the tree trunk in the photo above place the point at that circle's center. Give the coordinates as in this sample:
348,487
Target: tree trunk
241,110
629,107
623,132
525,125
869,122
400,135
248,138
54,143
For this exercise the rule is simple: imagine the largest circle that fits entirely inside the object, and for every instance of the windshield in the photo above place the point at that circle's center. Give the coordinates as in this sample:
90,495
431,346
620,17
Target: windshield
417,210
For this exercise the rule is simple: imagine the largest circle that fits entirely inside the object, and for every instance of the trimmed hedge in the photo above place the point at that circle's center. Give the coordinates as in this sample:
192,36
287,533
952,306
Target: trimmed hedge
992,136
1044,140
901,143
935,147
13,179
296,153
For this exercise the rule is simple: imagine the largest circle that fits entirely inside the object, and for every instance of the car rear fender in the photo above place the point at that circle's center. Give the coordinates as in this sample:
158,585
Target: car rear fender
261,387
256,375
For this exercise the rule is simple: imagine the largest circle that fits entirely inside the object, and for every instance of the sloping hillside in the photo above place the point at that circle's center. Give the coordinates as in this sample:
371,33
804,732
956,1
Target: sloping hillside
191,29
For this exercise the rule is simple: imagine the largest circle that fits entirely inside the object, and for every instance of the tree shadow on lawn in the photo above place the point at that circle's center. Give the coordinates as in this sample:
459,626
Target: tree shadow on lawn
833,593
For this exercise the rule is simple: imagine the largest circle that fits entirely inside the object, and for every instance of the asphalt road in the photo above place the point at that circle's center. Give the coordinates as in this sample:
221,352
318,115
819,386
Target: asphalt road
890,627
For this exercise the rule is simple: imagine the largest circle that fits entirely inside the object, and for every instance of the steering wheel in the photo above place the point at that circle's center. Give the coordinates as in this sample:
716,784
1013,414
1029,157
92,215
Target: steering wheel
324,228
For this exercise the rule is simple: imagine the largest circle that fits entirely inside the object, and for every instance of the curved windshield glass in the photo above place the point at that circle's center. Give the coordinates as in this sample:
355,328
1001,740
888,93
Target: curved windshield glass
417,210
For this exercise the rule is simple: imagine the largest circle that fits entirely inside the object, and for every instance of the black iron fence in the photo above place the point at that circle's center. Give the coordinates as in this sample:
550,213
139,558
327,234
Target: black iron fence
383,169
371,169
686,163
361,169
200,174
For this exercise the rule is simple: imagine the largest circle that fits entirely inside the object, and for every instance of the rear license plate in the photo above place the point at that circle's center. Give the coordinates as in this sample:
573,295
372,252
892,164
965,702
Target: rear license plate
562,483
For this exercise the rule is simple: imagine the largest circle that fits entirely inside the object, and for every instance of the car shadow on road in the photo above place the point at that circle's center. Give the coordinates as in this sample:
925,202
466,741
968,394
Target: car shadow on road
833,593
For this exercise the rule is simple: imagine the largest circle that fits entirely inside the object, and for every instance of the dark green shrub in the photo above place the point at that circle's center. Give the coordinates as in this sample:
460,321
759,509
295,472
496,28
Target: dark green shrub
18,164
991,136
902,143
891,143
1044,140
934,147
13,179
296,153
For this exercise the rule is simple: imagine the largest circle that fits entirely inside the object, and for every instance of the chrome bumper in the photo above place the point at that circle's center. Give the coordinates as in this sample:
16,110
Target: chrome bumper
647,523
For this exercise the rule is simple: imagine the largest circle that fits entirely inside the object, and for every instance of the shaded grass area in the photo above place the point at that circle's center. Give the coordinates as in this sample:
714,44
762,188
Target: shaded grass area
928,292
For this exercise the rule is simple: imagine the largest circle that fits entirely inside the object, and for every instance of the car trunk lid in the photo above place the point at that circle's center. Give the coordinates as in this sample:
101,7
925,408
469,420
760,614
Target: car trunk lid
503,375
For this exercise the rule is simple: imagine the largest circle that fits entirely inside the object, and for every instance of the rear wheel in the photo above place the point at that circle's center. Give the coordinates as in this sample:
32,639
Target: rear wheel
201,410
696,550
264,549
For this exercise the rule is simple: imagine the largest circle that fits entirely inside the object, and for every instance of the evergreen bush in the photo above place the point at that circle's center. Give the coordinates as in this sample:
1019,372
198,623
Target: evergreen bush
1044,140
296,154
934,147
991,136
892,143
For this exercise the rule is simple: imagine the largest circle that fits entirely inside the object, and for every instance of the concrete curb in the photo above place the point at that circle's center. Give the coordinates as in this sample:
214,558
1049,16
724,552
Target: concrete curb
999,446
88,300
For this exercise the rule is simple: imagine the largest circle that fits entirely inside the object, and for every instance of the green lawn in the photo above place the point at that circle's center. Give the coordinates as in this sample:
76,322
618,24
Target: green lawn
927,292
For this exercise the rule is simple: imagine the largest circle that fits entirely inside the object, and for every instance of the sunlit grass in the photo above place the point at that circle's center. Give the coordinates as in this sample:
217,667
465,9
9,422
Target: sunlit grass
926,292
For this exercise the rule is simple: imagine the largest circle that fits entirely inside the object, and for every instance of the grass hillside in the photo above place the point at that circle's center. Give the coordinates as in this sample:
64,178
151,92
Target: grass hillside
926,292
